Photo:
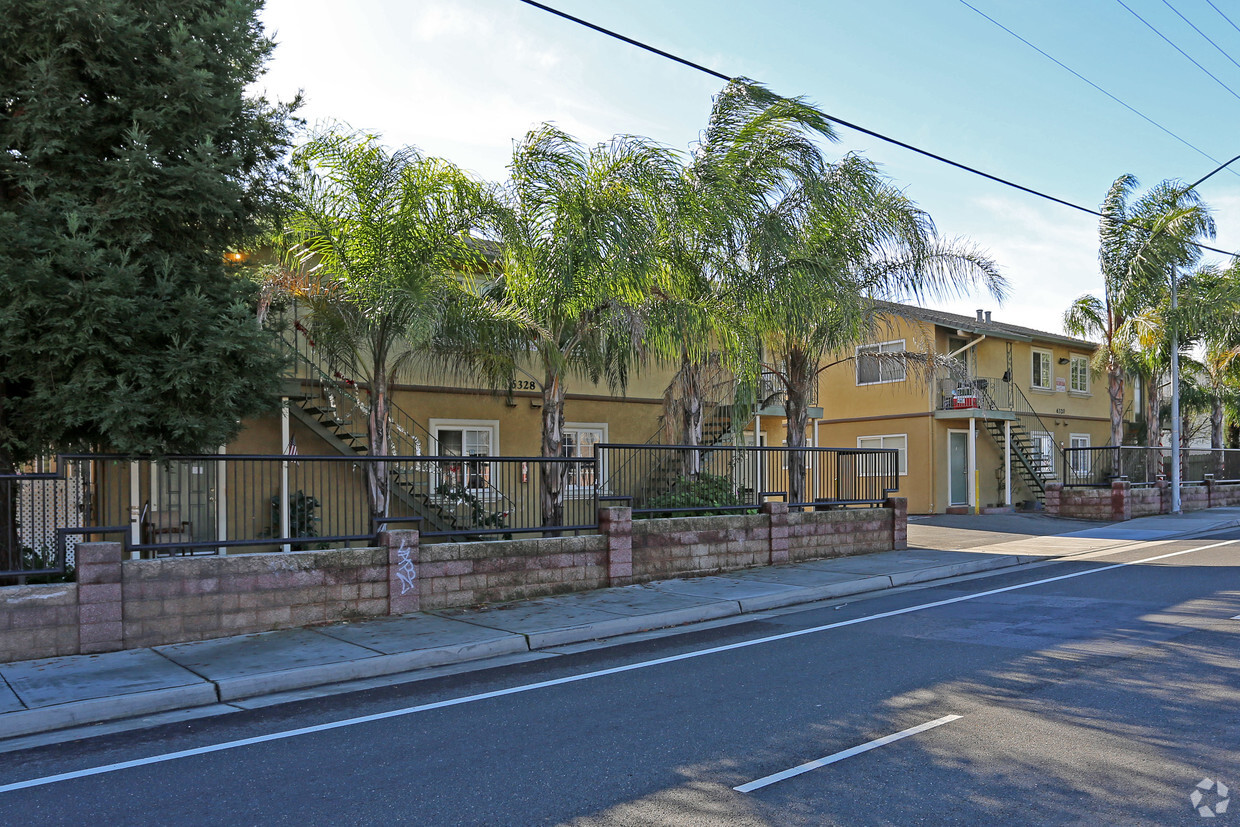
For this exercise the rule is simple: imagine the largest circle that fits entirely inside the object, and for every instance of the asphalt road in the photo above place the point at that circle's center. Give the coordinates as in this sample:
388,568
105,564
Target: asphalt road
1087,693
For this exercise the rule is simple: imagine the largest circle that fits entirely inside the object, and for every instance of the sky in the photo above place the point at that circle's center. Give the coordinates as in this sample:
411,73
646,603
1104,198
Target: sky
465,79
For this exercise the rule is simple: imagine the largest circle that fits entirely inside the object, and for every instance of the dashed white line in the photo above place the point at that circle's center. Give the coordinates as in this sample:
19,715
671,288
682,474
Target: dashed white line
766,781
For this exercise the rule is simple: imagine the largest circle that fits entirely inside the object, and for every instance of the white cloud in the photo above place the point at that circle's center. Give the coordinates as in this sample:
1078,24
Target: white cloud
1048,258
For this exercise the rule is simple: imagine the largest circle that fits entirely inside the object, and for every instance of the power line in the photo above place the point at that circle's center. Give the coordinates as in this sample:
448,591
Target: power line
1178,49
1077,74
1203,34
848,124
1220,14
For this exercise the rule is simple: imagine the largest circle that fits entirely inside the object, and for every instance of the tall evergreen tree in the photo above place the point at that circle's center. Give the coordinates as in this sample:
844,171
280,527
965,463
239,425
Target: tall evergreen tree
132,161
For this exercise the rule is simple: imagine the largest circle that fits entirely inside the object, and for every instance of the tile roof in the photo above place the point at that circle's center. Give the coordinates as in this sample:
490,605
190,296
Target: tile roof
997,329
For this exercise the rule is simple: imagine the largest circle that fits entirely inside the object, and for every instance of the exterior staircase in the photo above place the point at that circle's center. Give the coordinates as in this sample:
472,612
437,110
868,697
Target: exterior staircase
331,406
1034,468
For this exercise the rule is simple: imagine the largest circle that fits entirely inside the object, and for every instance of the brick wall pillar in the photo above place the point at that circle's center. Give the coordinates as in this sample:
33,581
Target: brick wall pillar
1121,503
1054,497
616,524
100,627
1163,486
777,513
404,557
899,521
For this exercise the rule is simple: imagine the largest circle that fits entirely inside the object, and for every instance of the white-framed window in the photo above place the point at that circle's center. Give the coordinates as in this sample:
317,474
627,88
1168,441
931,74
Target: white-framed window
1079,381
1041,376
896,441
578,440
465,438
872,370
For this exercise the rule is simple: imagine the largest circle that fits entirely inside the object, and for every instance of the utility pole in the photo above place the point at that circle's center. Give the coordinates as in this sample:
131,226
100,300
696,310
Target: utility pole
1175,399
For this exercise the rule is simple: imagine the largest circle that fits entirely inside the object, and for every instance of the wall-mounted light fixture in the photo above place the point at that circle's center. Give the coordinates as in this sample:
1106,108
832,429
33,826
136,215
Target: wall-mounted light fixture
1063,360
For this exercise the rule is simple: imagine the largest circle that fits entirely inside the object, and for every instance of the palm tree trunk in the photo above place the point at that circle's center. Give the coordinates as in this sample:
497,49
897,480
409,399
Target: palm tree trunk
1153,429
691,422
1115,391
377,439
551,474
797,412
1216,432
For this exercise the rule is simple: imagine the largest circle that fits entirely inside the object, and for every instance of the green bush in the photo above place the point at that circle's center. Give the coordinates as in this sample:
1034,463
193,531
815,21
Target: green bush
706,490
303,519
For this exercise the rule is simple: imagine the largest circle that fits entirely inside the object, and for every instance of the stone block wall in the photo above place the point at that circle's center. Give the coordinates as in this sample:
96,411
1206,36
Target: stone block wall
687,546
193,598
123,604
1123,502
1146,502
813,535
466,574
38,621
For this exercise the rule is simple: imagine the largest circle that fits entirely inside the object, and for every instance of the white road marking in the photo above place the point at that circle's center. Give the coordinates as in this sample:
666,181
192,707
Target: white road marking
585,676
766,781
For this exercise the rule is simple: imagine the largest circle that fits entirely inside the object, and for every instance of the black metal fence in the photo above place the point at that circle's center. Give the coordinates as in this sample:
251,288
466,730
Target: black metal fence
1098,466
216,503
662,479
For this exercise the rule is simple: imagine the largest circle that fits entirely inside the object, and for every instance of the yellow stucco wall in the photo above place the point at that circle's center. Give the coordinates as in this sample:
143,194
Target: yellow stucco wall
907,406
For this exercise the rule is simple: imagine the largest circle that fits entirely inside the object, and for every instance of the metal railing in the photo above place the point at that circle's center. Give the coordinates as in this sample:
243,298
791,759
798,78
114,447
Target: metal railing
219,503
1098,466
342,396
209,504
34,508
996,394
687,479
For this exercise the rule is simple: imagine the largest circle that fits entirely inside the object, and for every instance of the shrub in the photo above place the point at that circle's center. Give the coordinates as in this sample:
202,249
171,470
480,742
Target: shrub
706,490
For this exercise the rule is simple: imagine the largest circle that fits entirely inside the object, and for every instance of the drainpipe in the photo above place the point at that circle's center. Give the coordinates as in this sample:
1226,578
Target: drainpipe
970,344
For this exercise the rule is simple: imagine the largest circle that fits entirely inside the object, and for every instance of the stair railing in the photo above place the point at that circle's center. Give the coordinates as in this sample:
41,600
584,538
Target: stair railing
1011,398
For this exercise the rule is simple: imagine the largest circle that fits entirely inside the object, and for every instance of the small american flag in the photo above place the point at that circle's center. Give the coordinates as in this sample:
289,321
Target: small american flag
292,447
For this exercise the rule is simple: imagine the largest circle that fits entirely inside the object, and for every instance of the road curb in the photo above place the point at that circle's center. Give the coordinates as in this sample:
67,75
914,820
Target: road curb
98,710
627,625
304,677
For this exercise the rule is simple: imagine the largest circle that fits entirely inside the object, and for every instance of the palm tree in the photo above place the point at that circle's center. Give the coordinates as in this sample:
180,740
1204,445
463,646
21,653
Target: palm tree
1140,247
379,243
755,145
819,259
578,266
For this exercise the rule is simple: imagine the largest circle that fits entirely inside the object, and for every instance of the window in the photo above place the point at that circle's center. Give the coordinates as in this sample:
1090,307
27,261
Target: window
1042,369
897,441
1080,461
1080,375
464,438
873,370
579,441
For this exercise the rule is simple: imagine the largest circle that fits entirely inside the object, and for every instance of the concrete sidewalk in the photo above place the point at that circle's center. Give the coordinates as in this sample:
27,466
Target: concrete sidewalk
56,693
